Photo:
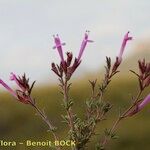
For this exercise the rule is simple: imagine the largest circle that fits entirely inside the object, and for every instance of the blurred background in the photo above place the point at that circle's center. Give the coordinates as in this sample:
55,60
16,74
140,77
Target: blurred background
26,30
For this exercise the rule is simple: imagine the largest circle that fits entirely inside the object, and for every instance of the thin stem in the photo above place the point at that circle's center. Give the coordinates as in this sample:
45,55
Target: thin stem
46,120
120,118
99,96
66,100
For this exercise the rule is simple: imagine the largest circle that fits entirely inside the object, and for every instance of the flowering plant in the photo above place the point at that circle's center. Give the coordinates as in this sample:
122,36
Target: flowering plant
80,130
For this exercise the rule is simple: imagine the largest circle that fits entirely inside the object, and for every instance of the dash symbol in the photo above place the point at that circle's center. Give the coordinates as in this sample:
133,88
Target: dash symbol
20,143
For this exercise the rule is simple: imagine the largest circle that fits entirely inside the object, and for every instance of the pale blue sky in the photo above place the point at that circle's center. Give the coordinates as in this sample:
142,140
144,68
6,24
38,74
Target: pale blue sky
27,26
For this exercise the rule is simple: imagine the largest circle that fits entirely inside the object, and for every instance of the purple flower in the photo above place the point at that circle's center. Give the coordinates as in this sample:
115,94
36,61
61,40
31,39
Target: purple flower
23,93
8,88
139,106
58,46
144,102
22,82
126,38
83,45
13,77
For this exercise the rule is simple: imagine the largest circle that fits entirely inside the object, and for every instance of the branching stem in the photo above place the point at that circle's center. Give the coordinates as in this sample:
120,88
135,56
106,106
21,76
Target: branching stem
120,118
46,120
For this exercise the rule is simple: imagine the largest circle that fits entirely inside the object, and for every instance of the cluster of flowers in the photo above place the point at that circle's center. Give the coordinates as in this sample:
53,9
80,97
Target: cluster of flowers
64,71
67,68
23,92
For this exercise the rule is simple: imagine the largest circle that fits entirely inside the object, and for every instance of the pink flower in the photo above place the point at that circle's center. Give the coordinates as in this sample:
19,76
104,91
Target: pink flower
144,102
23,93
22,82
139,106
58,46
8,88
13,77
83,45
126,38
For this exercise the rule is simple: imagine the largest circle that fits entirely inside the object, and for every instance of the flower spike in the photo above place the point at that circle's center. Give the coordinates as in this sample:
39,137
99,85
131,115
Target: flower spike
83,45
13,77
126,38
22,93
58,46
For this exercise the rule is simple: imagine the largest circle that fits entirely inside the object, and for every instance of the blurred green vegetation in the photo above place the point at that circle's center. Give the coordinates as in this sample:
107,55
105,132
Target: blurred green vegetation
18,122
